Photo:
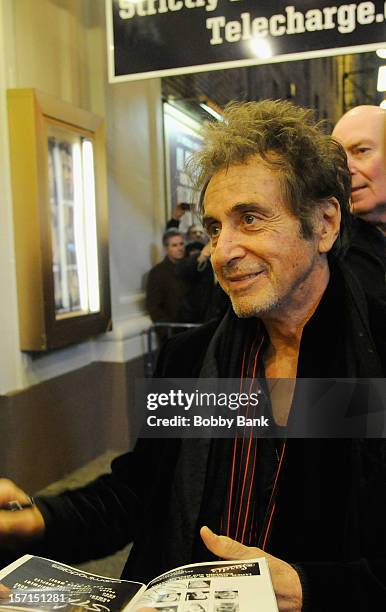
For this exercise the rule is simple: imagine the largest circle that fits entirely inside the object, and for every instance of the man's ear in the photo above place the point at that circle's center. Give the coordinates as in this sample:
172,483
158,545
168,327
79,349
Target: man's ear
328,225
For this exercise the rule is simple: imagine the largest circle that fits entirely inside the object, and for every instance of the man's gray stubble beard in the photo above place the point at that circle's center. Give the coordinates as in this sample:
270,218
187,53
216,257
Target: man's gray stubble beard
274,303
255,311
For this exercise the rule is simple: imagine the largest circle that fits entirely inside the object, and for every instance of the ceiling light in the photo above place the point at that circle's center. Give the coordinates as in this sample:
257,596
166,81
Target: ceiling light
381,84
261,47
211,111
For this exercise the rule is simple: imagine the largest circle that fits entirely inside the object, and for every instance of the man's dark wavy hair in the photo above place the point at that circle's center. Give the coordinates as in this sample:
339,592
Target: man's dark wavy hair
311,166
172,232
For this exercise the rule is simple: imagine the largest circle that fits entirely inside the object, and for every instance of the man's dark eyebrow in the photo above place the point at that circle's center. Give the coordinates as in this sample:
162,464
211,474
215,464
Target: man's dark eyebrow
249,206
206,220
239,208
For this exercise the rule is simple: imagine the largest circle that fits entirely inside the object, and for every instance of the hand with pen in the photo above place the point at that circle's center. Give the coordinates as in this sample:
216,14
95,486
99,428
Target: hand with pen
20,520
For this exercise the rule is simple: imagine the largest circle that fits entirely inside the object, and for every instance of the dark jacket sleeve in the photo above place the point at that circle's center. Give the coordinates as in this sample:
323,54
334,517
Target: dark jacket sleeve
155,302
105,515
113,510
97,519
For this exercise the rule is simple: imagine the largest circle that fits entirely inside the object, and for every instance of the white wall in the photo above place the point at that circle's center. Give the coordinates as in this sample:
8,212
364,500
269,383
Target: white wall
59,46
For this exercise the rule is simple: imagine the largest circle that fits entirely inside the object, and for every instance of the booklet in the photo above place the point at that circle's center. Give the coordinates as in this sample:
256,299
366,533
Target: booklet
223,586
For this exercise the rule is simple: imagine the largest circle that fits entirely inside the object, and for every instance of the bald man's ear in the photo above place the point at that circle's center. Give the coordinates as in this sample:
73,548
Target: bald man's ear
328,225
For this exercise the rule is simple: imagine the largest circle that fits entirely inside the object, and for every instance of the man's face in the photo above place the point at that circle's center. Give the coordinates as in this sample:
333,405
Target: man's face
196,233
361,133
175,248
258,253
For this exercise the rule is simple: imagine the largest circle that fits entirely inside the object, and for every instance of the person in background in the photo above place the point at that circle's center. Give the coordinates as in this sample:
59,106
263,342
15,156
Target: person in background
205,299
195,232
177,214
361,131
166,288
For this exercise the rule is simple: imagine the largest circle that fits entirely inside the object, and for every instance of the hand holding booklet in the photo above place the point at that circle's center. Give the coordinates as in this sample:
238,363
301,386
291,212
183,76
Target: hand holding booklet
224,586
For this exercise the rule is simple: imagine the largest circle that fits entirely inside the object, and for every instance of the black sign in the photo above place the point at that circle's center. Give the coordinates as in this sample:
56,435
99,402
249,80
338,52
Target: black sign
150,38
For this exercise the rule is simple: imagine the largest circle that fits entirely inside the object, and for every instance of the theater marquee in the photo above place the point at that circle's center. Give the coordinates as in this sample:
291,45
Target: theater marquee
149,38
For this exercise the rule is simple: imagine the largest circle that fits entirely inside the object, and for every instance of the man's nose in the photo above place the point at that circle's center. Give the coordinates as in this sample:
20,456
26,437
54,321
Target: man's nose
227,248
351,163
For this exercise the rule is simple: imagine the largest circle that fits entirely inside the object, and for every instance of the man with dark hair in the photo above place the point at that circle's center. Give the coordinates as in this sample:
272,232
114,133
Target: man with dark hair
166,289
310,166
275,193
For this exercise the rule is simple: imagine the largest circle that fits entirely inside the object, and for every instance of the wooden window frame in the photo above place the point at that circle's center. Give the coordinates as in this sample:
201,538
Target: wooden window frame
29,114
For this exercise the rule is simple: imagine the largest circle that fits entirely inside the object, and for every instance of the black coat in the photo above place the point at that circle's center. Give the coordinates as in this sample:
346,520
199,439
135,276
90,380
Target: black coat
366,257
330,507
165,294
205,299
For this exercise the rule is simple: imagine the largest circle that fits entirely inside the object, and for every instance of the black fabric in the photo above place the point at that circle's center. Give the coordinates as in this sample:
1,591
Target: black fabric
172,223
205,300
329,518
165,291
367,257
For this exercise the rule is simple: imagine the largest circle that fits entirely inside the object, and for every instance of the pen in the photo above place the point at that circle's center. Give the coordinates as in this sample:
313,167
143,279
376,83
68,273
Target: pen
15,505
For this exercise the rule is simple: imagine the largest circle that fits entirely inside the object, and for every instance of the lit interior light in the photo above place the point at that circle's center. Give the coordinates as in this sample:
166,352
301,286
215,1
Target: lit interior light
90,225
383,104
175,115
211,111
381,84
381,53
58,169
79,226
261,47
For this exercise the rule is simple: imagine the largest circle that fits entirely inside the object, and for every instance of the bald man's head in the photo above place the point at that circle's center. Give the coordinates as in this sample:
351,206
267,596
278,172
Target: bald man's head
361,131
